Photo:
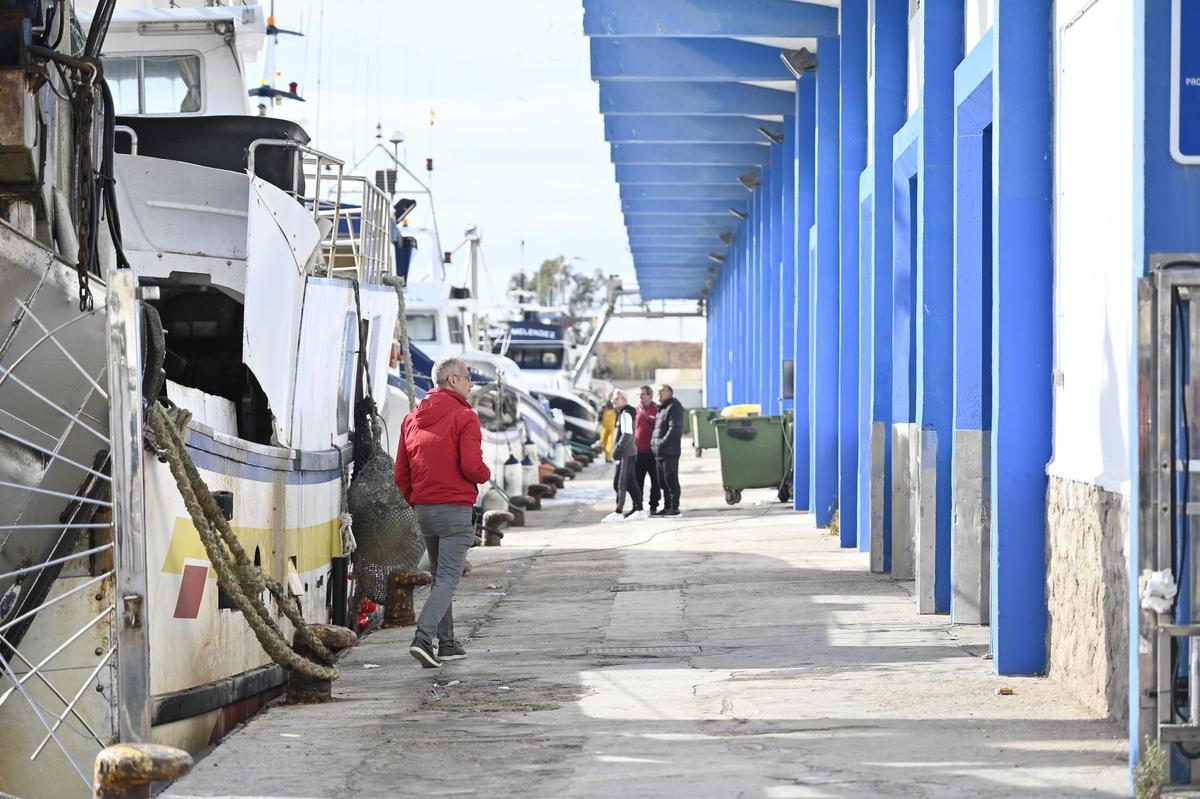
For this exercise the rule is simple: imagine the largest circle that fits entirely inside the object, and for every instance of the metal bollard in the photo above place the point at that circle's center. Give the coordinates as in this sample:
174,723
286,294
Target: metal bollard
306,690
494,522
126,771
398,612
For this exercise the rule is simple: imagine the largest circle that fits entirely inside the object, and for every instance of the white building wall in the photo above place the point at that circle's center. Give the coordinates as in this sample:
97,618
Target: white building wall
978,16
1093,291
916,45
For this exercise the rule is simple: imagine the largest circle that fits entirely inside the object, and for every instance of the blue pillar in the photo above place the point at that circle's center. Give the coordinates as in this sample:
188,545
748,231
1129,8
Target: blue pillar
824,300
804,170
774,270
786,219
942,52
852,145
866,224
1022,314
766,334
890,88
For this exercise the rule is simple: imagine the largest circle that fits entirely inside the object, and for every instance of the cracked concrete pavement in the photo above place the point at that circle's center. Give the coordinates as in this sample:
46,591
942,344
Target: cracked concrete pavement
733,652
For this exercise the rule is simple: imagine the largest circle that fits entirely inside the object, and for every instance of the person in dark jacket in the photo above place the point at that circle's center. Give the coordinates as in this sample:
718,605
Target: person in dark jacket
666,444
439,463
645,465
624,452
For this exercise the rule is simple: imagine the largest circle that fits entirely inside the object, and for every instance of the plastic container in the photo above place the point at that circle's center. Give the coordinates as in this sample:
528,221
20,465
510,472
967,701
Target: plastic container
753,455
741,411
704,435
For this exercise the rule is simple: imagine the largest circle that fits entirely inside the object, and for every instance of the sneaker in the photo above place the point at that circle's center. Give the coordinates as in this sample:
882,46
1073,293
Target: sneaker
656,512
422,651
671,512
638,516
450,650
613,518
633,514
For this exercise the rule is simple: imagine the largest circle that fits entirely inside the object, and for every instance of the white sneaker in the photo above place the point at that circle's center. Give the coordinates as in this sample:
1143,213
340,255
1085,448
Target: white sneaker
613,518
640,515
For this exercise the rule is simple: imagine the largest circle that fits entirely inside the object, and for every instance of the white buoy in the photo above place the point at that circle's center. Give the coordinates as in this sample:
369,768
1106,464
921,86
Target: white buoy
530,470
514,476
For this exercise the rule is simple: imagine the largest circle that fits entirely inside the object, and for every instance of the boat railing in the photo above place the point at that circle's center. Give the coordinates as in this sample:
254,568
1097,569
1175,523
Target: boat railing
310,167
82,671
363,248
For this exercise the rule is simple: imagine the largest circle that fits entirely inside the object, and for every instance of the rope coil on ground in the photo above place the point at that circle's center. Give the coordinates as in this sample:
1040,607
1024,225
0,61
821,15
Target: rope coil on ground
237,575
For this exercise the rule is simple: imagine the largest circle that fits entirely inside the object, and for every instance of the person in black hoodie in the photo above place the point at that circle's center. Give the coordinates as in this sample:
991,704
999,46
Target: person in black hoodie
666,445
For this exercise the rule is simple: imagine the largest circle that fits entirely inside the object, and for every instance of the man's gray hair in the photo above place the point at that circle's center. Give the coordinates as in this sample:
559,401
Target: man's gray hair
618,393
444,367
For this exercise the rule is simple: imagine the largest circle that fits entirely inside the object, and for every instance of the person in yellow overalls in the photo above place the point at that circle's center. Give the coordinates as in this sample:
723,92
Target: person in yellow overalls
608,429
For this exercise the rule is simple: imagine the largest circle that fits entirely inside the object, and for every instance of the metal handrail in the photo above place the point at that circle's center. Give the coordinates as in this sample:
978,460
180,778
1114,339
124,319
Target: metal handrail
320,160
370,246
132,134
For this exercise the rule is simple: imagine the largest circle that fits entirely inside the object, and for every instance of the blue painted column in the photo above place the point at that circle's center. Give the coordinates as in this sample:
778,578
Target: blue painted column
774,270
853,159
890,90
1022,315
866,225
804,170
942,52
766,331
785,167
824,281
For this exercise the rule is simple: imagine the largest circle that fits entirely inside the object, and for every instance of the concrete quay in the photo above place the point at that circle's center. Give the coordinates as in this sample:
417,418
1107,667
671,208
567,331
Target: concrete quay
732,652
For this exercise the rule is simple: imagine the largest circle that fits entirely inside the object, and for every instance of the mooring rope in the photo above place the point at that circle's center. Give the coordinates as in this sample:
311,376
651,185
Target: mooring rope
237,575
398,283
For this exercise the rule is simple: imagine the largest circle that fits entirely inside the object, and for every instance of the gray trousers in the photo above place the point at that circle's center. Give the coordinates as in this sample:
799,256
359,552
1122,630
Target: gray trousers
448,534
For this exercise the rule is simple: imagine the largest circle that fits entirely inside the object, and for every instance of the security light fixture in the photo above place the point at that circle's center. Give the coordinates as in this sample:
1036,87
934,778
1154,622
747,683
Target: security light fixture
774,138
750,180
739,214
726,238
716,259
799,61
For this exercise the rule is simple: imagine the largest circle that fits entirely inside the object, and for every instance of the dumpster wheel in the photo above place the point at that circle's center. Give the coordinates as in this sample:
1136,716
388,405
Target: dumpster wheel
785,492
732,496
699,452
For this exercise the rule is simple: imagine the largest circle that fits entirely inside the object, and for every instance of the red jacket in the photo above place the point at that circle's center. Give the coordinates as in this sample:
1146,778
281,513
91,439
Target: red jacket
440,457
645,427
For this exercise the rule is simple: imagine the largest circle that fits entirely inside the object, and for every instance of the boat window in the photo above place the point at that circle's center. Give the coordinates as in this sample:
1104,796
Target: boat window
160,84
456,329
421,326
349,362
535,357
373,349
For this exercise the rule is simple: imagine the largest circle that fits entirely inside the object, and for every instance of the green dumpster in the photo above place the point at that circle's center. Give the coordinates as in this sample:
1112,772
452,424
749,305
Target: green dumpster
753,455
704,436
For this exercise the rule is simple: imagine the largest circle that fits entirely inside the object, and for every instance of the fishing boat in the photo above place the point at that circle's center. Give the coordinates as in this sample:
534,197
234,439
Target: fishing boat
229,224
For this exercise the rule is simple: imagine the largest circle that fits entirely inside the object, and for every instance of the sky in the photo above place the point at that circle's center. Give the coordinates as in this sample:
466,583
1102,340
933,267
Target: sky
518,142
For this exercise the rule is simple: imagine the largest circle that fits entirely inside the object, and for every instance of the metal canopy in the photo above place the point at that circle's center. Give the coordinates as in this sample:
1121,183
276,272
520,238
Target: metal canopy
694,94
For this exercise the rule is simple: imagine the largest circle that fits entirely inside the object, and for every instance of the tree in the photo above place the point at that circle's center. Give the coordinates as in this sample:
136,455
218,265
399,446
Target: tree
557,282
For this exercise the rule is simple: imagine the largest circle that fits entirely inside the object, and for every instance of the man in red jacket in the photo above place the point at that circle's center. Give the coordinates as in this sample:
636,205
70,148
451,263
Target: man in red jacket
438,464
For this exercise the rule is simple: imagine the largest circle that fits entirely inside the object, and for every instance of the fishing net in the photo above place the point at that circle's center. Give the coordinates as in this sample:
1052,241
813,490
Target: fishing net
385,526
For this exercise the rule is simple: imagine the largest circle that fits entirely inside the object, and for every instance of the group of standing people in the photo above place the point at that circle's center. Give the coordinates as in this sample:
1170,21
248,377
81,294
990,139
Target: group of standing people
646,440
439,464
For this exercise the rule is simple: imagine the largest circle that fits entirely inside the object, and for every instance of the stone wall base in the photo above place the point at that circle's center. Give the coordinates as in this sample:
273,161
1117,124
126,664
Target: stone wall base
1087,579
